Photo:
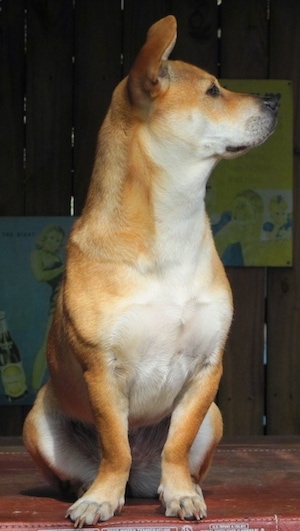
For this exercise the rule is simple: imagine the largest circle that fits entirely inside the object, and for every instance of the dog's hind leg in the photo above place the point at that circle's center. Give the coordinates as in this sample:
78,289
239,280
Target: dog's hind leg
205,443
66,451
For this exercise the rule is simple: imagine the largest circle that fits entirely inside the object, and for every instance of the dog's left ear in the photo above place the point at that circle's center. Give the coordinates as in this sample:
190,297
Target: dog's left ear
148,78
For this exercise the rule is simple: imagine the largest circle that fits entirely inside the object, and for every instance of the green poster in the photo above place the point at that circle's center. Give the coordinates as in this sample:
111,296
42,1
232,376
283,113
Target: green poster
249,199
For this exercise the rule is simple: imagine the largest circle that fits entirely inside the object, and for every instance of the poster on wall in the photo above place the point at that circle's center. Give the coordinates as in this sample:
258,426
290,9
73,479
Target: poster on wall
32,262
249,199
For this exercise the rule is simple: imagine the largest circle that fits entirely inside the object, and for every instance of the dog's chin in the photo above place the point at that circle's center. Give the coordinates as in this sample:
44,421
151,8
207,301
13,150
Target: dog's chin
232,151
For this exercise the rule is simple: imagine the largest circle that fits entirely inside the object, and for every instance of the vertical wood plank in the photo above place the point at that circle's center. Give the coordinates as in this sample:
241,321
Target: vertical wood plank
197,40
12,86
138,17
197,20
283,389
244,50
49,107
12,89
241,393
244,45
12,420
98,37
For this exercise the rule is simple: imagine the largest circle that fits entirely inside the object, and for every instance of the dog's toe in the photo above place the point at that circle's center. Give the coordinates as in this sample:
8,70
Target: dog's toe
188,507
88,512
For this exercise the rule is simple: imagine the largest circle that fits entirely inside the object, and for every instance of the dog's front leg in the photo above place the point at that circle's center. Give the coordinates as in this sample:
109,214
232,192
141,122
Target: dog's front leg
178,493
110,409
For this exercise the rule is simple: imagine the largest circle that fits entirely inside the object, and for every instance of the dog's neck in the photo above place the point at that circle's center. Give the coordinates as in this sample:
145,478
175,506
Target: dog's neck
179,188
147,198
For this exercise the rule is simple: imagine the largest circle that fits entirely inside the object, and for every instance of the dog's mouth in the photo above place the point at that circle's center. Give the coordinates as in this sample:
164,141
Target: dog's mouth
236,149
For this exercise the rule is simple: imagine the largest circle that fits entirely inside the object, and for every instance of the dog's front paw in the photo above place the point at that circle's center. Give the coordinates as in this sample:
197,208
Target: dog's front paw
186,506
87,511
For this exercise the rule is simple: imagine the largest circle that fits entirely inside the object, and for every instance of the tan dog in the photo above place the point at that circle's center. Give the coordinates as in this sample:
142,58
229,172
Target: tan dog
135,350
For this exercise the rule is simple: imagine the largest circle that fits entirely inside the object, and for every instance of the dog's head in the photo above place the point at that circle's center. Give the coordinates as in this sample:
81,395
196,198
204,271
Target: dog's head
190,107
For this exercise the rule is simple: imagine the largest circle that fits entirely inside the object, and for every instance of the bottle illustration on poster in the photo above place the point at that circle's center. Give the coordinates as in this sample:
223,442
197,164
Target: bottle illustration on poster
11,367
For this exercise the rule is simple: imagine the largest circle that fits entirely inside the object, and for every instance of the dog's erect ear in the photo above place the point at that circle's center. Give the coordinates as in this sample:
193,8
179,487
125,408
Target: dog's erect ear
148,78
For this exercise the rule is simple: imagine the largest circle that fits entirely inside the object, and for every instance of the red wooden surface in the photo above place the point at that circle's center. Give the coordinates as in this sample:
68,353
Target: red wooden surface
253,484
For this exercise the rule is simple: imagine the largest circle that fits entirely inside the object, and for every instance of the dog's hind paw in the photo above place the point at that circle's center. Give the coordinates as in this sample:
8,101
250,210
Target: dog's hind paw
88,512
185,507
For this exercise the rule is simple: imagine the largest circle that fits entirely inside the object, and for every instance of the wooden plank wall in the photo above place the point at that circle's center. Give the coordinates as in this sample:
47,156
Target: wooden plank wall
60,60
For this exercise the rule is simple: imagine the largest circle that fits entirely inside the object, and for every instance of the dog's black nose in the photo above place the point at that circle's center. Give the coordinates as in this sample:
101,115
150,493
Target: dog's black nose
271,102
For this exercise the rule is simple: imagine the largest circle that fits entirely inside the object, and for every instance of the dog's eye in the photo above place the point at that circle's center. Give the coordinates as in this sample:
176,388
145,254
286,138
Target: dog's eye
213,90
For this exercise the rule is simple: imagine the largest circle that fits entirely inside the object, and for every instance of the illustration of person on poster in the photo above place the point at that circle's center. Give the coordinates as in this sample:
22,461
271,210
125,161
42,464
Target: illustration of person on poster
279,225
47,266
239,230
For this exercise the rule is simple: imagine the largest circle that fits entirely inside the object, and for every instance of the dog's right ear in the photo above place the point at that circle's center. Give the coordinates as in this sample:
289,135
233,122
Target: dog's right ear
148,78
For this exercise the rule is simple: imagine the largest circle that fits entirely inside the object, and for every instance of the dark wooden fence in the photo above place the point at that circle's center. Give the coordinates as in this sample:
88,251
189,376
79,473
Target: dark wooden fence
60,60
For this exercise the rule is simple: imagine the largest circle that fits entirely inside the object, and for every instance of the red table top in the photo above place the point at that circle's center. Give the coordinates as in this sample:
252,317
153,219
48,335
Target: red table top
253,485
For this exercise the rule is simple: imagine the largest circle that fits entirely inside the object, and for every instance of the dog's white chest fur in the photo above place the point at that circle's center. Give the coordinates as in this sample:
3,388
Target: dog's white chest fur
165,336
